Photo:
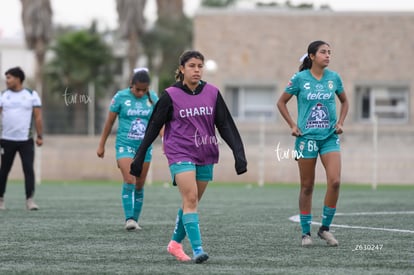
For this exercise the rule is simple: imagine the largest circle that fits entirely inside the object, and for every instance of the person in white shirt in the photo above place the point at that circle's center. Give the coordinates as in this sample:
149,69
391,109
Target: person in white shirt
19,107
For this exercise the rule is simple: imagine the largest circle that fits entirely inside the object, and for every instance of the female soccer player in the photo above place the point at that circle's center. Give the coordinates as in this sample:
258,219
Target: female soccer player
190,110
316,133
133,106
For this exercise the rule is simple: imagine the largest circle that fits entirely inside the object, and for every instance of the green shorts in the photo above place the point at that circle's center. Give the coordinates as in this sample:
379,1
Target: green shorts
203,172
123,151
309,148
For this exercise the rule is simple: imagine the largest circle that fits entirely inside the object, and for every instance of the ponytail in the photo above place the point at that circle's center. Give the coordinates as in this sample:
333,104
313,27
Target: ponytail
179,75
306,64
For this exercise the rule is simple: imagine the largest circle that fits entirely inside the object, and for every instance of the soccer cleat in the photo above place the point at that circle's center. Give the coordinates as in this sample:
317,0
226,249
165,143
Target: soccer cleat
31,205
131,225
306,240
200,256
328,237
2,204
176,250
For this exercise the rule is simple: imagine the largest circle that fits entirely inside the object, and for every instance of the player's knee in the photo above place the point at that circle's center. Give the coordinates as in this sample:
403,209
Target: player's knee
191,201
139,184
307,190
334,184
130,179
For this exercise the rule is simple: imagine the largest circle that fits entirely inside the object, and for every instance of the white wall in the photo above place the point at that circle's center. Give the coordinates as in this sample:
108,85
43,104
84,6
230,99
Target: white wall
13,52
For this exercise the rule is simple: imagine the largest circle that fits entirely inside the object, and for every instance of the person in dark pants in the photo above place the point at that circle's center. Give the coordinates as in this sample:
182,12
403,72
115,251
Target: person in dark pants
19,107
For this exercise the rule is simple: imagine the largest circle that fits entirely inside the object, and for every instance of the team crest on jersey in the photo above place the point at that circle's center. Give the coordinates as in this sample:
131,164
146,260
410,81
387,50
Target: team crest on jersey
137,130
318,118
330,85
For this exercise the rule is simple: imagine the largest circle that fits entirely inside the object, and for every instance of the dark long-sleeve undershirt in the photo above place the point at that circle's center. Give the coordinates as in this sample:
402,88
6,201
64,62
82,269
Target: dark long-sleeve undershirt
223,120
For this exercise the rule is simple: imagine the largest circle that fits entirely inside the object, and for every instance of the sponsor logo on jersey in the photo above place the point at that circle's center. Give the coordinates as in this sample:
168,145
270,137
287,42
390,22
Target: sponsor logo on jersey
127,102
319,88
137,130
197,111
306,86
318,118
319,96
138,112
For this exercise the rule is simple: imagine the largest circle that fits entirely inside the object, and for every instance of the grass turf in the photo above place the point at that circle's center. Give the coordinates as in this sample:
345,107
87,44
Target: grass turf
245,230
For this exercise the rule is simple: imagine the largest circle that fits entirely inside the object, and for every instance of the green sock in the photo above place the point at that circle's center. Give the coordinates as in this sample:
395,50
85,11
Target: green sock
179,230
127,200
305,222
138,201
192,228
328,215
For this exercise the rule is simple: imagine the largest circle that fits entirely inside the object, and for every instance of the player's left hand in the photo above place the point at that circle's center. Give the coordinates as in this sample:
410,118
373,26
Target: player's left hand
338,129
39,141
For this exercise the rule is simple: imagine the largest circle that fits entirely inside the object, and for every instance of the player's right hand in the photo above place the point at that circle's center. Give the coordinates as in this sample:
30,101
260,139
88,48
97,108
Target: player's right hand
100,152
135,168
296,131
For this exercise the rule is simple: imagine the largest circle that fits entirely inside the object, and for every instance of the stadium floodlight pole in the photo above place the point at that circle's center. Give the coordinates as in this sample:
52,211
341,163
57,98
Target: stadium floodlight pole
91,109
155,86
38,149
375,151
261,160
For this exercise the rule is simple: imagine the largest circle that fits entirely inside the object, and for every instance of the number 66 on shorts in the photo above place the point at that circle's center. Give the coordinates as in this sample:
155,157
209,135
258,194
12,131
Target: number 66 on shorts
310,148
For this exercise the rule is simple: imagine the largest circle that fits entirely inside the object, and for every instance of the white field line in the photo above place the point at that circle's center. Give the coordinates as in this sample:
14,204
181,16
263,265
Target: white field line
296,218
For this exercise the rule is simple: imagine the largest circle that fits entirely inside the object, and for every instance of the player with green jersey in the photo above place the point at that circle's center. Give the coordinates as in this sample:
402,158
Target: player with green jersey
133,114
133,107
316,102
316,133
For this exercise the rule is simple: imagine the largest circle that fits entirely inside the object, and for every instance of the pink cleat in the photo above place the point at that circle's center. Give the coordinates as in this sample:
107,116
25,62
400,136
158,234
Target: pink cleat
176,249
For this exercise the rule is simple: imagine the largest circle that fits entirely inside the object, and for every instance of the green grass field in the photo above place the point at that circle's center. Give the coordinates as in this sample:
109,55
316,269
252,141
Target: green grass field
245,229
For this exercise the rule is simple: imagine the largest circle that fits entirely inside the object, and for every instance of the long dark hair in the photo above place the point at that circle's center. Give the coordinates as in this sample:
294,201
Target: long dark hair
142,76
312,49
183,59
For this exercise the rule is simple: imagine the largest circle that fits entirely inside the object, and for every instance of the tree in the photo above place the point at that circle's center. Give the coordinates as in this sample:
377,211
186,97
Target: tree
37,24
170,9
80,57
171,35
131,26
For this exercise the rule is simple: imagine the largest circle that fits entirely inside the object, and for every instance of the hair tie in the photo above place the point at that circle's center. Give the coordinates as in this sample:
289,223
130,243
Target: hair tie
141,69
303,57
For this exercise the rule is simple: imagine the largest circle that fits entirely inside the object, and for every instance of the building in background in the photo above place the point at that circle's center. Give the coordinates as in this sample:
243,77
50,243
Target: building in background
251,56
257,51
